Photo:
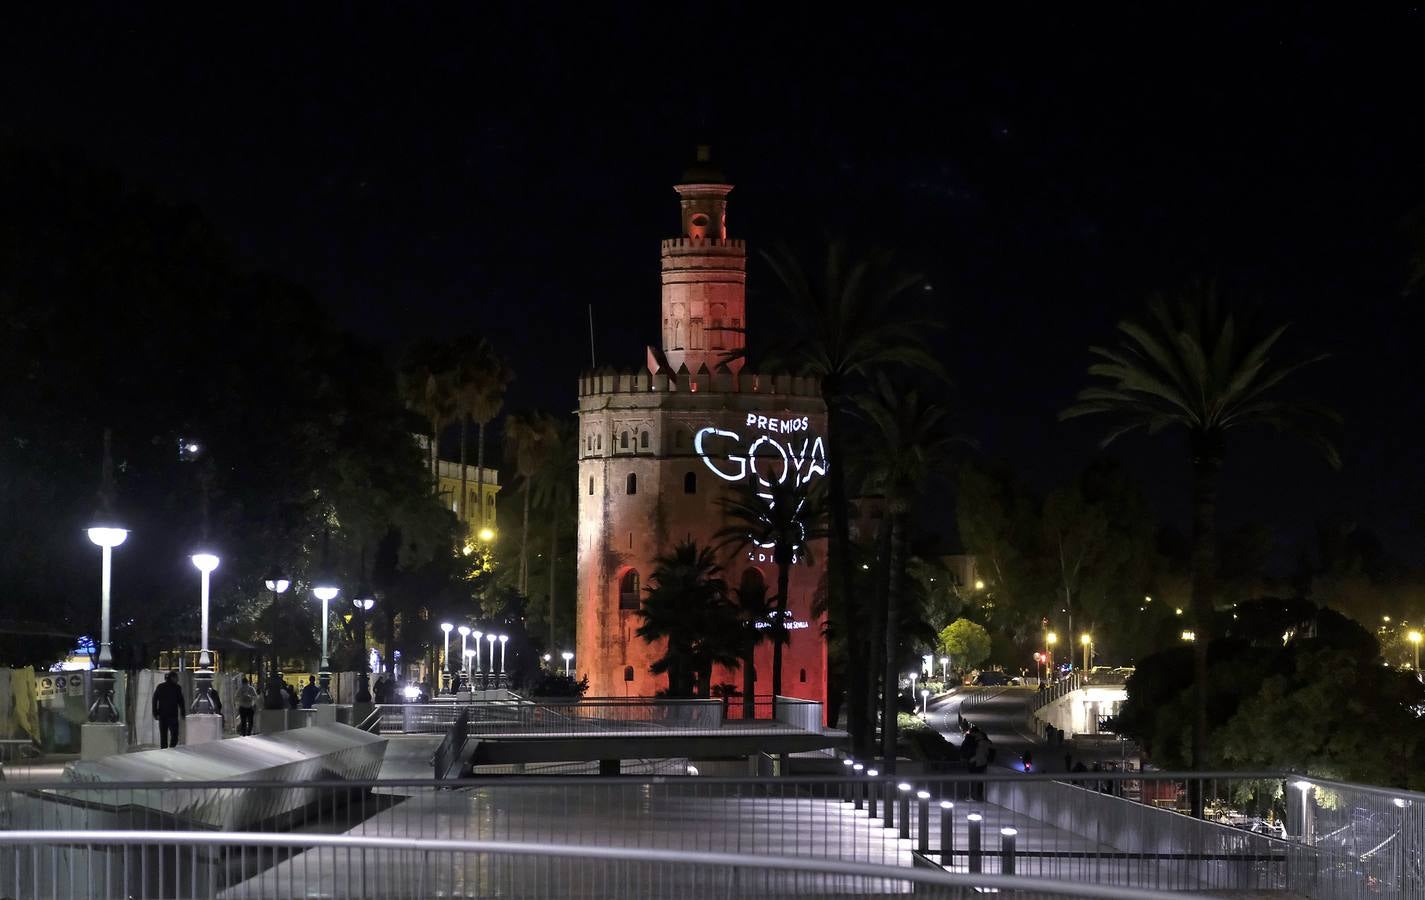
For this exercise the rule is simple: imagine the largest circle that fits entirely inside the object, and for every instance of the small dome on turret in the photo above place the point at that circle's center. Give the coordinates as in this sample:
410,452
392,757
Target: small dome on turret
702,170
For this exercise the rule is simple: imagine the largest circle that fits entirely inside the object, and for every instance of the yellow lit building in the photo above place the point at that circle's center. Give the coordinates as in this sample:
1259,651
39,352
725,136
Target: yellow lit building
477,515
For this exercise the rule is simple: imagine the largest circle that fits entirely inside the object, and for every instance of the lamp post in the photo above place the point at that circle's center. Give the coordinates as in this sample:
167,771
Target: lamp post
203,689
1050,640
106,537
465,670
491,666
567,658
468,655
1414,638
503,639
449,671
925,701
275,697
363,601
326,592
944,668
912,686
1087,641
476,635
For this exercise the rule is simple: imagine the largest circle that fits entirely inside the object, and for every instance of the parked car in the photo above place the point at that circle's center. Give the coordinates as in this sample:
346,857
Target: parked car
992,679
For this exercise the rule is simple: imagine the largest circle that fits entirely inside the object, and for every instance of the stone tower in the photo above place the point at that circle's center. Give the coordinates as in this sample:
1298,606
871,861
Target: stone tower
660,446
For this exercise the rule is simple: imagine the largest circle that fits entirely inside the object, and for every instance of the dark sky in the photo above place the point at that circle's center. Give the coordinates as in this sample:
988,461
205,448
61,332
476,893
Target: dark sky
428,172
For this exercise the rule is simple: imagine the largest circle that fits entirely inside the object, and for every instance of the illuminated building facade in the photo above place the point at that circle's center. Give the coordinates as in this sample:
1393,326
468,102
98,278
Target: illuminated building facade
477,514
662,445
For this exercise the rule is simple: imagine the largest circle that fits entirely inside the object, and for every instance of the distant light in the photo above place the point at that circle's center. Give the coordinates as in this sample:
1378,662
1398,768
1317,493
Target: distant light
922,795
872,772
858,767
325,592
848,762
205,562
1085,639
566,656
692,770
411,692
1189,636
1385,618
487,534
1413,637
546,657
1177,611
105,536
975,817
903,786
865,565
1147,599
363,603
946,804
979,584
191,448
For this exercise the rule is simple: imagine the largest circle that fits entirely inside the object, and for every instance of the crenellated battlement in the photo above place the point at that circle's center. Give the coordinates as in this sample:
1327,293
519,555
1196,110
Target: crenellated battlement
719,246
641,381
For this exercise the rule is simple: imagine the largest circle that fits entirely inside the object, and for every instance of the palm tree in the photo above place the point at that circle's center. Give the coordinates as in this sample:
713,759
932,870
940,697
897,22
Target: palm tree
853,317
785,517
754,612
427,386
1195,367
915,441
491,378
687,606
525,446
554,486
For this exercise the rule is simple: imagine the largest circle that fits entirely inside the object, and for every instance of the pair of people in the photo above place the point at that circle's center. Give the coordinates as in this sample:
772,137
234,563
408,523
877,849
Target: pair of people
978,752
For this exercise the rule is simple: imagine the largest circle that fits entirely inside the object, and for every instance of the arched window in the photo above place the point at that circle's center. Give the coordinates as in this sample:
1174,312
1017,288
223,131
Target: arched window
628,597
804,676
623,441
628,673
631,487
690,483
643,440
599,442
591,485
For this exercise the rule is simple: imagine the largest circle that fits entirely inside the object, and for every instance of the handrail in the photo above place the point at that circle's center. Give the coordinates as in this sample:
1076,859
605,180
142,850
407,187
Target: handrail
915,875
450,746
372,723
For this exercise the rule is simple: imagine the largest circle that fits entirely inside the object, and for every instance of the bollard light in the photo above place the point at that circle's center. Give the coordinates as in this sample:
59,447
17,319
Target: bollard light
974,820
947,833
858,790
1007,840
847,787
905,790
922,810
567,656
871,793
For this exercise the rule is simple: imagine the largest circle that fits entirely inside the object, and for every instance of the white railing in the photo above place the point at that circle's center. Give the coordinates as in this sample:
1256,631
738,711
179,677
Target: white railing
106,865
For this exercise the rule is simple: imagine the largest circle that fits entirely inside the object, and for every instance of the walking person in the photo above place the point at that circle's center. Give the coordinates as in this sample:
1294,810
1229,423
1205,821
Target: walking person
247,705
168,708
980,761
291,695
309,693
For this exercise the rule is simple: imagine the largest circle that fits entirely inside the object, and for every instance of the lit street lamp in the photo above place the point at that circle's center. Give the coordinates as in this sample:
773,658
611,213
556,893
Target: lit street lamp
203,689
944,668
1087,641
924,701
449,673
912,687
363,601
106,537
503,639
274,697
1050,639
567,658
491,637
465,672
1414,638
324,591
469,655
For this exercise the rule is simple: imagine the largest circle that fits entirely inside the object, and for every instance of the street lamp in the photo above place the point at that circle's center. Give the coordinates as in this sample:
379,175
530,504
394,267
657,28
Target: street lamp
503,639
106,537
363,601
326,592
465,672
469,655
944,668
274,698
1050,639
491,638
202,693
1087,641
924,701
1414,638
449,673
487,534
567,658
912,687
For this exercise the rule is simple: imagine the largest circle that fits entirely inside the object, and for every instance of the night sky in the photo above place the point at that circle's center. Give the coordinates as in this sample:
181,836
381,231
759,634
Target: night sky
480,169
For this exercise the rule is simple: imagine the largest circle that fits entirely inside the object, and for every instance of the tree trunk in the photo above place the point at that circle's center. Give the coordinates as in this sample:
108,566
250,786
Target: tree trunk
524,543
850,682
1206,469
779,627
480,476
553,555
464,433
749,683
893,612
875,655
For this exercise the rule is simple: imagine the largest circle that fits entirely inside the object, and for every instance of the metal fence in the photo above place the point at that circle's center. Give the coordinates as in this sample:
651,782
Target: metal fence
600,714
1125,830
87,865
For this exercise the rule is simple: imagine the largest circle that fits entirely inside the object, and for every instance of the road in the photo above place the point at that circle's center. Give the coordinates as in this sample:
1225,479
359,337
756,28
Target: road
1001,712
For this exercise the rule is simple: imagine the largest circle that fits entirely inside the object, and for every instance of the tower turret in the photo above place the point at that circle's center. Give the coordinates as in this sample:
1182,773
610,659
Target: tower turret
704,276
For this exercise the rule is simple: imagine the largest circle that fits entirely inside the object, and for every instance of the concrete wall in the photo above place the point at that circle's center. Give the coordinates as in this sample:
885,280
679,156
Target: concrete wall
1079,711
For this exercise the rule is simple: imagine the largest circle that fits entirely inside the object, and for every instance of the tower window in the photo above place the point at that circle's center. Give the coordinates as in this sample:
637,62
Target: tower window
599,442
591,486
690,483
631,486
804,676
643,440
628,590
623,441
628,673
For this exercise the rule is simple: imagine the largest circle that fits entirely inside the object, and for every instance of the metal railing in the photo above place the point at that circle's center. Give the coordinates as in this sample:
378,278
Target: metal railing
446,759
1128,830
106,865
547,716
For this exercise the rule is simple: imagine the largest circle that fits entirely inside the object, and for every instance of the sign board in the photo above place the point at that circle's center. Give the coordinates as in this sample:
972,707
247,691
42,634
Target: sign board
58,685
